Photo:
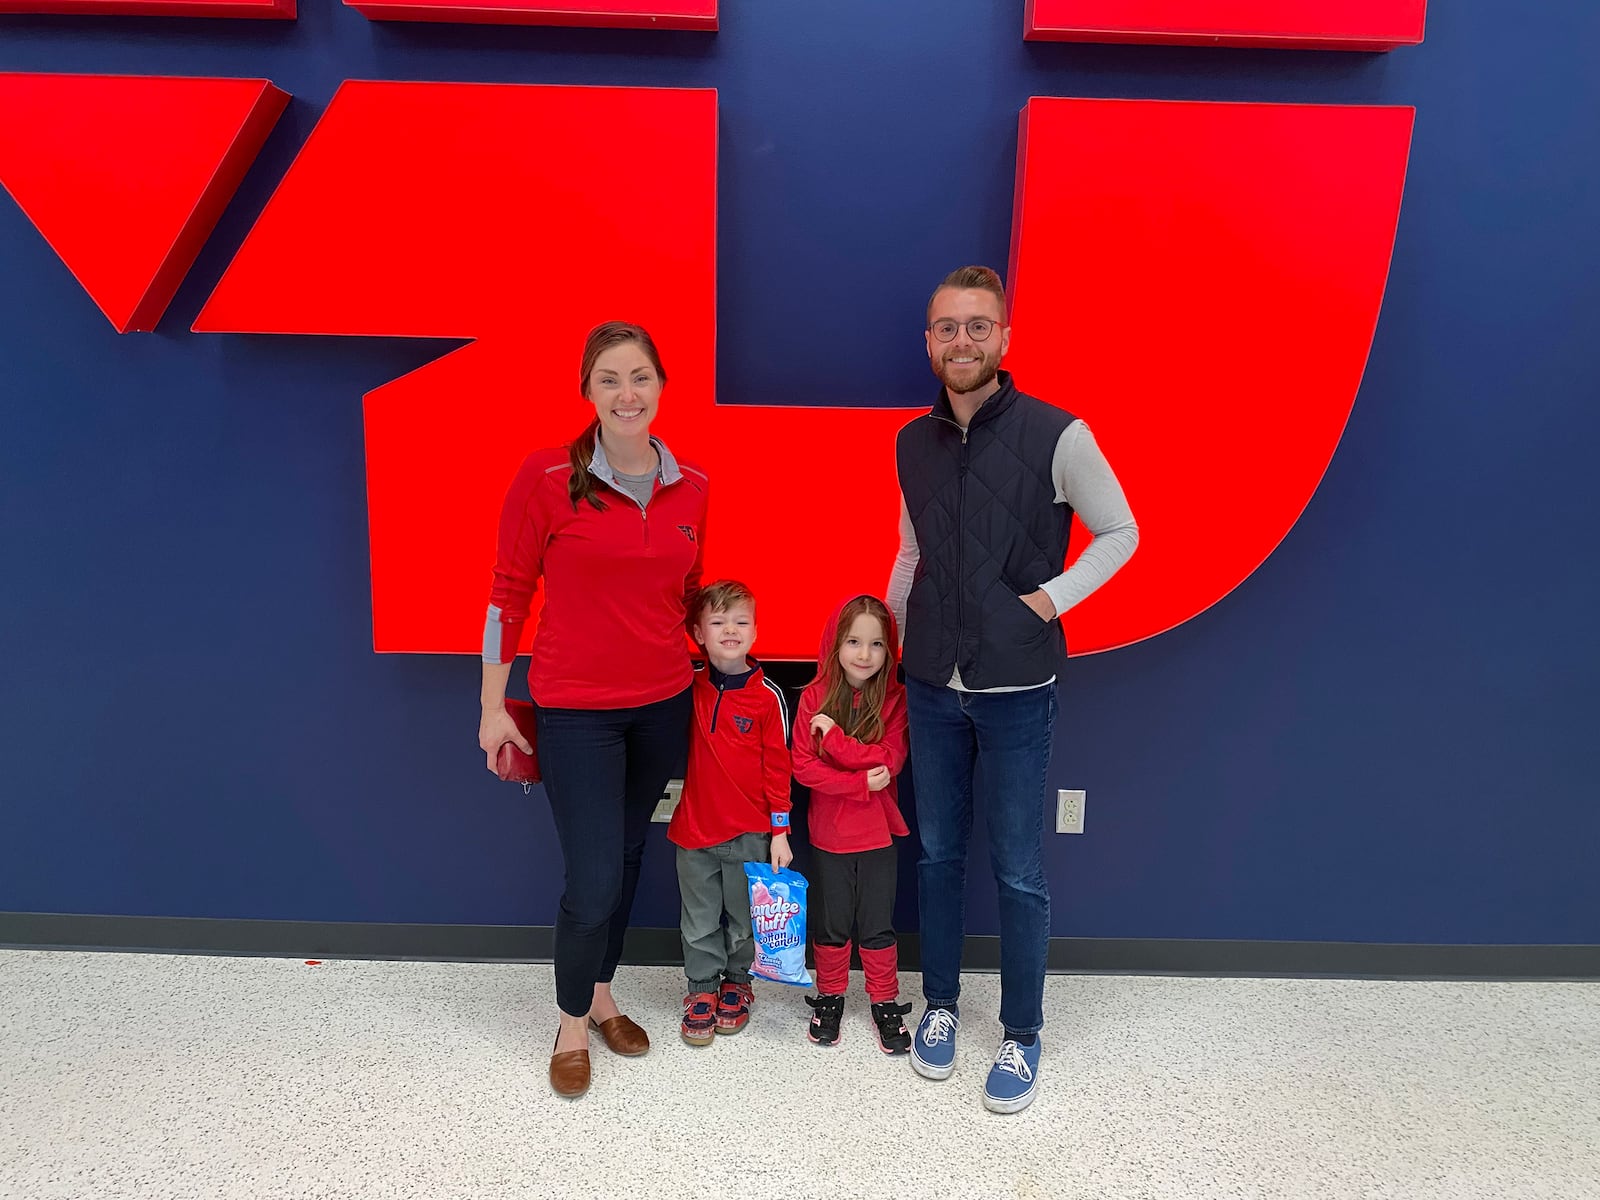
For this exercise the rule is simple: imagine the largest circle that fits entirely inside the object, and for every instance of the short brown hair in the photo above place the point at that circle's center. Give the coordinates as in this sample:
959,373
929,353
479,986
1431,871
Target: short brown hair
721,596
973,279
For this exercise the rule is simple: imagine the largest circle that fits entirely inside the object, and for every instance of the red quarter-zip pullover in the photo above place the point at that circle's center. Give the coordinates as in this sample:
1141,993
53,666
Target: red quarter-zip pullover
617,584
738,778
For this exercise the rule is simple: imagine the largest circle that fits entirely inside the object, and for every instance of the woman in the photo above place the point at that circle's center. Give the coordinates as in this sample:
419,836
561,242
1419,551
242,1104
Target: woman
614,525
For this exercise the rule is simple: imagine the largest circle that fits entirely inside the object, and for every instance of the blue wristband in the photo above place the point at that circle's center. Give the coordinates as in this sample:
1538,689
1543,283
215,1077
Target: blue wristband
780,820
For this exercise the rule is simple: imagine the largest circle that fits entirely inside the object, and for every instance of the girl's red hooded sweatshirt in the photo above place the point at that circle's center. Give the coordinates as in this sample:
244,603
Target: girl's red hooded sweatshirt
845,816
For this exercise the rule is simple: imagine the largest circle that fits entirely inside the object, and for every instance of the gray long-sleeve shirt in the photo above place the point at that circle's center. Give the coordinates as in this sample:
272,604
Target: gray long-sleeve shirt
1083,479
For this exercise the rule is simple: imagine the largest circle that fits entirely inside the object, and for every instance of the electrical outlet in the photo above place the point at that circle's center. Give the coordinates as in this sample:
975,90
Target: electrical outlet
1069,811
668,804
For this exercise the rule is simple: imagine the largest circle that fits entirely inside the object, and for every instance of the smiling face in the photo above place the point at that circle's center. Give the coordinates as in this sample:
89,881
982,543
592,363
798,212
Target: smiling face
966,364
625,389
727,636
863,649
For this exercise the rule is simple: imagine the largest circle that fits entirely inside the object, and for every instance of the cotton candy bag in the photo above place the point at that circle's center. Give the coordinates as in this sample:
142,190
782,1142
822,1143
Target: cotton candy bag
778,919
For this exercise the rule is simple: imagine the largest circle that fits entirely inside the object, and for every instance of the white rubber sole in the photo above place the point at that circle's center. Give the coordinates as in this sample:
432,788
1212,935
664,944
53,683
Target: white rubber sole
1016,1104
928,1070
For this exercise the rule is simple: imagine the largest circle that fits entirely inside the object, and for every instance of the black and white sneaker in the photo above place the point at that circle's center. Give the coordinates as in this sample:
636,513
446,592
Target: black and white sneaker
827,1012
889,1017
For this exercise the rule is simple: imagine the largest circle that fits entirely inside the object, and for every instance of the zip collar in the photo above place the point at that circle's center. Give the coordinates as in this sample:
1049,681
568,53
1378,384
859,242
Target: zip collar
600,466
987,411
729,683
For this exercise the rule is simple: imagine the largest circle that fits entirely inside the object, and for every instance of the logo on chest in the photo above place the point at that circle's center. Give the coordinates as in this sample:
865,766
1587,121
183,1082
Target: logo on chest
744,724
687,531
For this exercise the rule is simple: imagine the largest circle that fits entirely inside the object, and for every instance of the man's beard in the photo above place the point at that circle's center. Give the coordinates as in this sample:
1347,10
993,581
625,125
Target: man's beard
988,368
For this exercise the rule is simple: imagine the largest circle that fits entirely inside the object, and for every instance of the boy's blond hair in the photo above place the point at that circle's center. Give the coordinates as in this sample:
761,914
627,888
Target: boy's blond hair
720,597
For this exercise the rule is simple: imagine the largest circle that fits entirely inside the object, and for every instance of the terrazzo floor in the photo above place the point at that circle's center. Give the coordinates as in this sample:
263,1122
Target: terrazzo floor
155,1076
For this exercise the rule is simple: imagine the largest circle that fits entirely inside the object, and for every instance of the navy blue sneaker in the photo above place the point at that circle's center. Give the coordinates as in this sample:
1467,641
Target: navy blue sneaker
933,1049
1012,1078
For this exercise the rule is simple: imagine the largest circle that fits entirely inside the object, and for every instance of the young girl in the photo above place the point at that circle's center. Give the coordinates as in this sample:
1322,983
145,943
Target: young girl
850,741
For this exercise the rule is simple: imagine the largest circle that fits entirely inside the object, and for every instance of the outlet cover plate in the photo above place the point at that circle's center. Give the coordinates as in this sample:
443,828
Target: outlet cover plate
1069,811
668,804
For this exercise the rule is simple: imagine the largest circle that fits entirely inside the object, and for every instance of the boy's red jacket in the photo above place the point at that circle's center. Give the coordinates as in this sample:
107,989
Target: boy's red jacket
617,583
846,817
738,776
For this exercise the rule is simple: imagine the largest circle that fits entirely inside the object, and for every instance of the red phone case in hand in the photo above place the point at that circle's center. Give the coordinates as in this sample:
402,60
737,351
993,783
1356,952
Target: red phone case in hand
511,764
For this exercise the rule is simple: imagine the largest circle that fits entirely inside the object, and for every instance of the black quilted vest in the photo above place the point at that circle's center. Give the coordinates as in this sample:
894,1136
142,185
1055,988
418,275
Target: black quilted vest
989,530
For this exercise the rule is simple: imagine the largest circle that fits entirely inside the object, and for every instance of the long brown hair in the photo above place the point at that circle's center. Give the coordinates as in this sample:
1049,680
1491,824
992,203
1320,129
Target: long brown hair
580,451
858,712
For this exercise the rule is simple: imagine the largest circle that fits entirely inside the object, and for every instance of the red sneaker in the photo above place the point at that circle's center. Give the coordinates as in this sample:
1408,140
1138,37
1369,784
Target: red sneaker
699,1018
733,1006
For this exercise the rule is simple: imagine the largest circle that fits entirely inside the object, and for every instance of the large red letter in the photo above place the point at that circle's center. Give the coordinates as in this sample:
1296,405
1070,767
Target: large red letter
126,175
1309,24
1200,282
269,9
637,14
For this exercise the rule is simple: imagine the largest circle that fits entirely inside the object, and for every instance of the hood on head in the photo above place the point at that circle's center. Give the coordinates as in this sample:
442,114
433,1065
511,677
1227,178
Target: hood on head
828,661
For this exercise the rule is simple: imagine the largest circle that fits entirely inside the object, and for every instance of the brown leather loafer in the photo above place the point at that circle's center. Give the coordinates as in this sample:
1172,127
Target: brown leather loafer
569,1073
623,1036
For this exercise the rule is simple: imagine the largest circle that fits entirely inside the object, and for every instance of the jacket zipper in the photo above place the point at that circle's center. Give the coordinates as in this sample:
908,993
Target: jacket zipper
961,554
717,707
644,508
961,522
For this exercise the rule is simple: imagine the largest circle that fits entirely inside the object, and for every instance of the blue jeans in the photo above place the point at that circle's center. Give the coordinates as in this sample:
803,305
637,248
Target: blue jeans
1007,735
604,770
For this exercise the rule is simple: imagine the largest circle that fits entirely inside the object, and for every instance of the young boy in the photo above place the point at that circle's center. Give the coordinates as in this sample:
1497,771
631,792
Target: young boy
734,810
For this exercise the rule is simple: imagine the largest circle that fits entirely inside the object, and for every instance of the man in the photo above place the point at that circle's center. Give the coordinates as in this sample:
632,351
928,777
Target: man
989,480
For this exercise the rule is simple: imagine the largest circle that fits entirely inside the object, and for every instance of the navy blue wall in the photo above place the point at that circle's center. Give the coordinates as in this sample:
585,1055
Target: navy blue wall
1387,734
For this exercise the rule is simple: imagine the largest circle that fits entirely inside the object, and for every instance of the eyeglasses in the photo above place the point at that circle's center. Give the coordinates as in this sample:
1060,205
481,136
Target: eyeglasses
978,329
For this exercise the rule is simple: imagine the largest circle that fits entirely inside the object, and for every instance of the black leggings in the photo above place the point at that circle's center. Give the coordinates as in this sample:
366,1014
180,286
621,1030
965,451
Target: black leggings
853,890
604,770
